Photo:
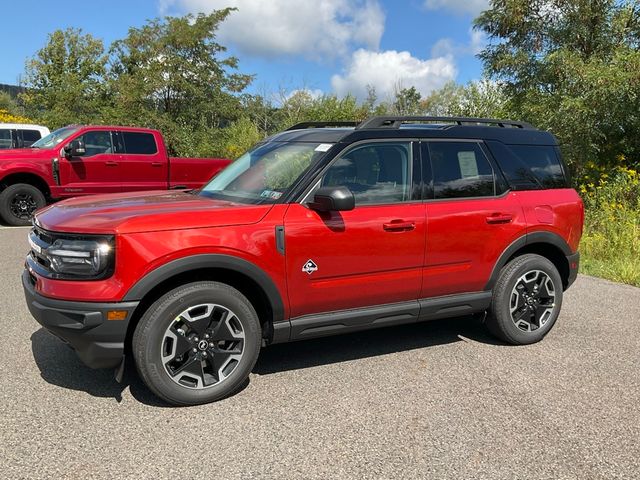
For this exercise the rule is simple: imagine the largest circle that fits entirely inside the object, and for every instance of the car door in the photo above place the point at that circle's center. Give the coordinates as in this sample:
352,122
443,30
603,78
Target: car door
143,166
97,170
371,255
472,218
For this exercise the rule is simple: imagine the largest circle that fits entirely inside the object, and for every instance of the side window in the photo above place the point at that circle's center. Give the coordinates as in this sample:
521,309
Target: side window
460,169
375,173
5,139
29,137
529,167
96,143
139,143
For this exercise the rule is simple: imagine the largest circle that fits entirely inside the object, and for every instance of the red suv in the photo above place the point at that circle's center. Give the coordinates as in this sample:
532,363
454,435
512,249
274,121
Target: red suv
324,228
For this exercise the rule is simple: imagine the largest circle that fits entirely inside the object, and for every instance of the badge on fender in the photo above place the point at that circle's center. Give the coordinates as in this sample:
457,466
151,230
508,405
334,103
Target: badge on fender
309,267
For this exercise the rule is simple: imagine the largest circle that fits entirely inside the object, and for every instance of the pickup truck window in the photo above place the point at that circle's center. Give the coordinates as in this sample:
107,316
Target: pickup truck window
264,174
55,137
139,143
5,138
30,136
96,143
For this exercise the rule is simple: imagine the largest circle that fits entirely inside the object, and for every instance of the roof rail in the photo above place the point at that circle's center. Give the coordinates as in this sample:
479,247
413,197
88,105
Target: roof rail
396,121
303,125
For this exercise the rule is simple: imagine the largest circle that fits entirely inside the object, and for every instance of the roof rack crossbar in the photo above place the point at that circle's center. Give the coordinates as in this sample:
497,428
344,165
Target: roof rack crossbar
397,121
303,125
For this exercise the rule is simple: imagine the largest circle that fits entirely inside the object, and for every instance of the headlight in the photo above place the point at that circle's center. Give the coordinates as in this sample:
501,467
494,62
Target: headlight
82,258
68,257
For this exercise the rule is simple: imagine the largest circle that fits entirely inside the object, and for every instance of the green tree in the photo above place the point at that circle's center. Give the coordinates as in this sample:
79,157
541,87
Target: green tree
571,66
171,74
476,99
65,79
407,101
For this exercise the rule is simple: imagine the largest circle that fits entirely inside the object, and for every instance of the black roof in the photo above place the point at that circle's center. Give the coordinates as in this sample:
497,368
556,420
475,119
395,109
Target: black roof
506,131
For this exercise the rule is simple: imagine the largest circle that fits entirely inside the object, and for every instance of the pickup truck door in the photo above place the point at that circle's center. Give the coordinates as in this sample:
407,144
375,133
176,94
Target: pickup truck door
95,171
143,164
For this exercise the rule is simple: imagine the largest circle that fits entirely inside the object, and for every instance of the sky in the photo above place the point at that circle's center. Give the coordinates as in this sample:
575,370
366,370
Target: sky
324,46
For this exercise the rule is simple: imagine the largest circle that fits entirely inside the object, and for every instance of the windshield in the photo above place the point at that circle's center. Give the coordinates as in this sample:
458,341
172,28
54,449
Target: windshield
55,137
265,173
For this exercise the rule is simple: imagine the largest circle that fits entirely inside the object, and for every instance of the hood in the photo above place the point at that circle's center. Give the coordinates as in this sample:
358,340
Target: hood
145,212
24,153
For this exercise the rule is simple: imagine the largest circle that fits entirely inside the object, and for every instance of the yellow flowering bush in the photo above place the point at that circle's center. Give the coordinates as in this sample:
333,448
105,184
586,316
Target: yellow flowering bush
6,117
611,241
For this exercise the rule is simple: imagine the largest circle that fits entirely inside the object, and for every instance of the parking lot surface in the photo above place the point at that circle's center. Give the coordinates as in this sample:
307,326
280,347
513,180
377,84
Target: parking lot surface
433,400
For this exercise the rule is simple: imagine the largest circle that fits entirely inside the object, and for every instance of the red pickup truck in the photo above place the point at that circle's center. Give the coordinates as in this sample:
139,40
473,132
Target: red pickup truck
83,160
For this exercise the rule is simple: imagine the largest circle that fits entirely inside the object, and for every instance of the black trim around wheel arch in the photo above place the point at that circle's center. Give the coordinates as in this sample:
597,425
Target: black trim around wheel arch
527,239
353,320
197,262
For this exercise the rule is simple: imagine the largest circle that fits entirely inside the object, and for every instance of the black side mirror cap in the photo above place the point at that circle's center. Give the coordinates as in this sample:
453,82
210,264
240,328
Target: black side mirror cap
74,149
333,199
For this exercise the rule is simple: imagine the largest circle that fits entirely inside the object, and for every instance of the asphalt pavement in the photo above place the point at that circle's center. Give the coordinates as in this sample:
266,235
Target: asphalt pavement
434,400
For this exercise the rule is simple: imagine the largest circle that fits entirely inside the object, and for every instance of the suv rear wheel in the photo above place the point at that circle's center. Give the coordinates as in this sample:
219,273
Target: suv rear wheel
526,300
197,343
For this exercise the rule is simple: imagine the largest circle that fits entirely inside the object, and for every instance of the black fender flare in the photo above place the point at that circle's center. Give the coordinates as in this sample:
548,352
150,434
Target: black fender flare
198,262
527,239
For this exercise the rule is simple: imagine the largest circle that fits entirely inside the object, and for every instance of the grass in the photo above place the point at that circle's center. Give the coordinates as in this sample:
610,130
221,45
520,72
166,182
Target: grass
610,246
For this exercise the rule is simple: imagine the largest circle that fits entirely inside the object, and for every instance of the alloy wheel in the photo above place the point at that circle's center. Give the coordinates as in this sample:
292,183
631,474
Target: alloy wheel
202,346
532,300
23,205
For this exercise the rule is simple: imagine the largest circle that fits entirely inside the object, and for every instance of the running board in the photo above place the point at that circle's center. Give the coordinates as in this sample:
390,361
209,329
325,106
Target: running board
353,320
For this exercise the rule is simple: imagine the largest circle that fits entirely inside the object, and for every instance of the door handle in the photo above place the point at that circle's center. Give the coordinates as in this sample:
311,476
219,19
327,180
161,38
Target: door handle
496,218
398,226
156,164
110,163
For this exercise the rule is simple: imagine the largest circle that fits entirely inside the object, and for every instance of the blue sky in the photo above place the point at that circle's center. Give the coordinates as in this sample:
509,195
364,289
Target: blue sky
332,46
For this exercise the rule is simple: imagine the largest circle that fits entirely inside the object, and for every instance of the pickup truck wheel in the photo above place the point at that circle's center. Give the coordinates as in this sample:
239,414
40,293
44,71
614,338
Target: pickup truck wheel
18,202
526,300
197,343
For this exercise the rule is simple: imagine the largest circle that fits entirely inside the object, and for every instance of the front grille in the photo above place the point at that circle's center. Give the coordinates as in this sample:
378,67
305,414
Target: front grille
40,240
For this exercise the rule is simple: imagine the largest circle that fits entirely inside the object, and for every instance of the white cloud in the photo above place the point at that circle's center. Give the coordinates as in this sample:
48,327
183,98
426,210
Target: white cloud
389,70
459,7
322,29
446,46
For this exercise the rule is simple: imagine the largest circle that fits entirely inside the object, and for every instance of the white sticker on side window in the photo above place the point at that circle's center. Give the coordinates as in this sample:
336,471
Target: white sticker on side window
468,164
323,147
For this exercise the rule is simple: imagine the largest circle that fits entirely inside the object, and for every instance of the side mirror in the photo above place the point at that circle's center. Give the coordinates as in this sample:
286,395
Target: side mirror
333,199
74,149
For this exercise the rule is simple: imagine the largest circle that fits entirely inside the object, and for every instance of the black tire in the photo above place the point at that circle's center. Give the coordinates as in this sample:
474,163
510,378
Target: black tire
18,202
151,340
516,302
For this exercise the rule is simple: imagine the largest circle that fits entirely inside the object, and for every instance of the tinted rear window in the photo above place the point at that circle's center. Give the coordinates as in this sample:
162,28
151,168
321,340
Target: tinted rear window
139,143
30,136
529,167
5,138
460,169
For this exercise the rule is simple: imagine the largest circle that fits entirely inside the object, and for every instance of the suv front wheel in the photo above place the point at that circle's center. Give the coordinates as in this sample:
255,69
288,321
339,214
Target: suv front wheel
197,343
526,300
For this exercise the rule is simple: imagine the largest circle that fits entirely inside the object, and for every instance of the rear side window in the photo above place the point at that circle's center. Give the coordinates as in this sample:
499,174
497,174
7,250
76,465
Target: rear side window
139,143
529,167
30,136
5,138
460,169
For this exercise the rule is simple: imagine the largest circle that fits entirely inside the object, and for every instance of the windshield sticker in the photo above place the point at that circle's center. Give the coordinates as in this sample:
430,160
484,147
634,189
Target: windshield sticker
323,147
271,194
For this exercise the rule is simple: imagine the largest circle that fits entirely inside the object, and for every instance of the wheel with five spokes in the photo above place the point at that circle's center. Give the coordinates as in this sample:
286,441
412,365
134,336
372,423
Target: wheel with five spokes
526,300
197,343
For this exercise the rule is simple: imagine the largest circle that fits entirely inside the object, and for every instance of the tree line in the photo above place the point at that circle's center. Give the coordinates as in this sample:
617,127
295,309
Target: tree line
568,66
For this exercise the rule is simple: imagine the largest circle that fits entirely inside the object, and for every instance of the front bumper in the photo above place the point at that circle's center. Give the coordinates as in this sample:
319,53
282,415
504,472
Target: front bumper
83,325
574,265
